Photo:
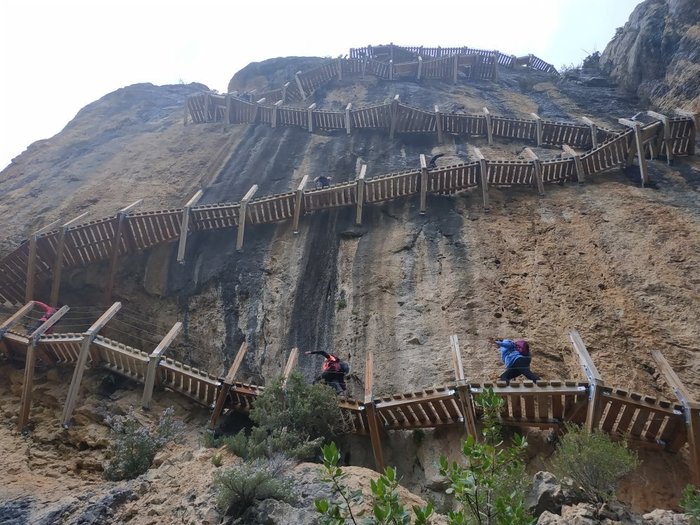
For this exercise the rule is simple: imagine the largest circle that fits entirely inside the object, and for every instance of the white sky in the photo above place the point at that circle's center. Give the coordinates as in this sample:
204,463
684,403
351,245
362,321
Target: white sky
58,56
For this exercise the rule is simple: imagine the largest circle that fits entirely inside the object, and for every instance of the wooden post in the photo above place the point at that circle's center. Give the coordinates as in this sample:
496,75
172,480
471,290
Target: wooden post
29,364
227,115
580,177
370,410
438,124
637,126
595,382
394,112
310,117
537,167
301,88
256,110
696,122
489,133
291,363
185,225
275,111
496,58
31,261
691,409
666,139
285,87
423,183
58,262
242,216
299,202
455,68
420,67
153,361
360,194
187,104
14,319
348,120
88,338
463,391
391,69
594,131
538,123
483,177
227,384
122,216
339,62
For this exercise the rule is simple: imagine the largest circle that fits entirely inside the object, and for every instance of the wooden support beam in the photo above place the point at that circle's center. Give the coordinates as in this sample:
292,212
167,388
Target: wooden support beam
275,112
122,216
226,385
594,131
310,117
463,391
666,138
394,115
637,126
227,114
185,226
301,88
537,167
256,110
31,260
423,183
88,338
242,216
285,87
348,119
14,318
153,361
496,58
339,63
299,202
538,124
30,363
391,69
580,177
420,67
691,409
483,177
289,367
595,382
360,194
370,411
438,124
58,262
489,133
455,68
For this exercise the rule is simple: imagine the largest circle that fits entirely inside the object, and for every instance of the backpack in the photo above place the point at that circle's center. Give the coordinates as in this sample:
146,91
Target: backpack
337,366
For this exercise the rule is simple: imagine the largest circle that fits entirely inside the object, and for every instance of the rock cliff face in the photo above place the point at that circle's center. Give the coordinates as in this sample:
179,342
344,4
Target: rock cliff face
656,55
608,258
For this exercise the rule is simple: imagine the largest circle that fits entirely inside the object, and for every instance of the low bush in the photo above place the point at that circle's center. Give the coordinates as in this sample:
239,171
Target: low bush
594,462
690,502
135,445
240,487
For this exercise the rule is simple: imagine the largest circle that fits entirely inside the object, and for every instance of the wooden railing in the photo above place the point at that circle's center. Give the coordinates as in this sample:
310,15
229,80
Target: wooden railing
641,420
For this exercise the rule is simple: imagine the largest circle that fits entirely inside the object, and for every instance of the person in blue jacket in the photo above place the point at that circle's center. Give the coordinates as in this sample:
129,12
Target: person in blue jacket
516,356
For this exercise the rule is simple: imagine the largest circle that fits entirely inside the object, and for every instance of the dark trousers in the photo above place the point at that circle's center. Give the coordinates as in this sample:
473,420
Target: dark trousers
521,366
335,380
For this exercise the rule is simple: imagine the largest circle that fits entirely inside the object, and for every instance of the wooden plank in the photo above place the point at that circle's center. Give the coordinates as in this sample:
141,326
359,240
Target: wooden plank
637,126
580,177
153,361
29,365
301,88
594,131
594,380
185,225
420,67
348,120
299,202
114,250
80,364
483,177
489,128
537,166
438,124
370,410
538,124
242,216
58,261
463,391
394,115
423,183
310,117
360,194
692,413
291,363
14,318
227,383
31,269
666,139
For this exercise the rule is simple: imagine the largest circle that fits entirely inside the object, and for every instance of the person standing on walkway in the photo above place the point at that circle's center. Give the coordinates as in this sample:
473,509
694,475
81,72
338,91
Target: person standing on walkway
48,312
517,358
333,371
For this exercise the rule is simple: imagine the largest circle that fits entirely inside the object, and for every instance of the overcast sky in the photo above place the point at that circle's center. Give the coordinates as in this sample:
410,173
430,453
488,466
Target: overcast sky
58,56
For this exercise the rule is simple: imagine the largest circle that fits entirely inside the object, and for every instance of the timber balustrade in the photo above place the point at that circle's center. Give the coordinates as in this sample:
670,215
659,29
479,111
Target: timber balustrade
72,245
641,420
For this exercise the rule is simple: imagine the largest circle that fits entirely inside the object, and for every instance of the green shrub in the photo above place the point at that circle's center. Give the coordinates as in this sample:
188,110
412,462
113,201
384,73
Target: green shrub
134,445
594,462
690,502
491,487
208,440
294,419
341,303
387,508
239,487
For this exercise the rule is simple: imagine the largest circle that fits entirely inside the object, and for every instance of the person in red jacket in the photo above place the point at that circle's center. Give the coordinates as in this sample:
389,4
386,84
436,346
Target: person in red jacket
48,311
334,371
